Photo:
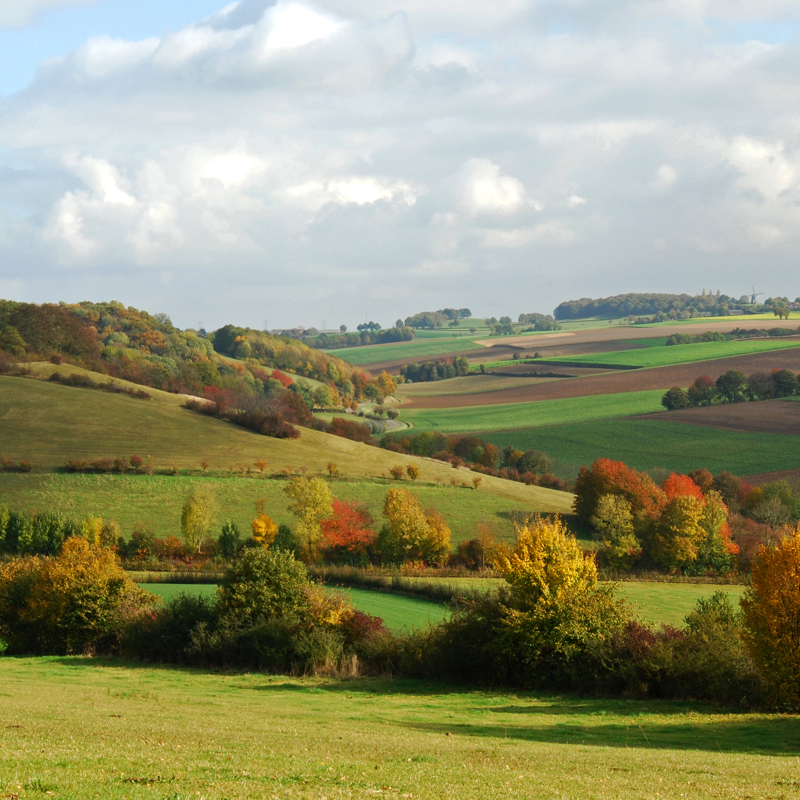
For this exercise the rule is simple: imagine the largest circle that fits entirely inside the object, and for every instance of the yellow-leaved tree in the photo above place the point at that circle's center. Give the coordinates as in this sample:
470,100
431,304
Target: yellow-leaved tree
556,608
407,529
264,528
311,503
771,607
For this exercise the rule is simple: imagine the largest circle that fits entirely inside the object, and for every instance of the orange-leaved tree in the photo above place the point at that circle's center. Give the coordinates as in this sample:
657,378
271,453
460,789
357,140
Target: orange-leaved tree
771,607
348,530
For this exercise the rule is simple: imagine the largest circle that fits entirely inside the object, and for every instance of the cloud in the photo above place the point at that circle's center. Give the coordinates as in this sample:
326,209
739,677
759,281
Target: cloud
17,13
326,154
485,190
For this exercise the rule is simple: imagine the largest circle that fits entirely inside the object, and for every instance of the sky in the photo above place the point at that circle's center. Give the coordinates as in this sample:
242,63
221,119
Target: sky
326,162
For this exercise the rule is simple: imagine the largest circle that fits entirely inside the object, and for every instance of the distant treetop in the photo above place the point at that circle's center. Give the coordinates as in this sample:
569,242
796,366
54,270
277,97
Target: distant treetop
671,306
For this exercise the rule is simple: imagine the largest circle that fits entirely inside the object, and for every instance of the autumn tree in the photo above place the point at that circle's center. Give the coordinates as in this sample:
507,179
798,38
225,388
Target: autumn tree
406,531
412,470
198,515
311,503
348,530
435,547
771,606
675,398
557,608
264,527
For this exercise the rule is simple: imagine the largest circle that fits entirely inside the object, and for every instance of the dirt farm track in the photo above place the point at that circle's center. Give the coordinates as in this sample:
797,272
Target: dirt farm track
616,382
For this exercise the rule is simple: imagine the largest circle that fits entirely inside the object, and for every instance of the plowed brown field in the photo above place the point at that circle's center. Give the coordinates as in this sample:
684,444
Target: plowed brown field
773,416
615,382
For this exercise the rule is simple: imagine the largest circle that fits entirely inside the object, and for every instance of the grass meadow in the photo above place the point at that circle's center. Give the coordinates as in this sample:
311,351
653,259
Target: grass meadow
503,416
155,501
438,346
654,444
83,728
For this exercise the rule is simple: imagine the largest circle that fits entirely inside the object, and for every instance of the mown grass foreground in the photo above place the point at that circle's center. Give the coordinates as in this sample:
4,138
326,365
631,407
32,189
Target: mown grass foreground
87,728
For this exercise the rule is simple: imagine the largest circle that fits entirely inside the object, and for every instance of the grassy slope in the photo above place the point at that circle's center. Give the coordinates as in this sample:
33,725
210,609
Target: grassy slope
682,353
645,444
156,501
49,423
435,347
534,414
90,728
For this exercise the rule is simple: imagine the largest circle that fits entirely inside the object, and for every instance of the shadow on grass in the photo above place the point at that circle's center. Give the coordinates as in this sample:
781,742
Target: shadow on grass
758,735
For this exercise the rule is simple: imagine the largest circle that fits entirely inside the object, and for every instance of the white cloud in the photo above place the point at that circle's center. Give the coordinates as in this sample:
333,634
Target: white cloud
485,190
358,191
575,201
666,175
286,26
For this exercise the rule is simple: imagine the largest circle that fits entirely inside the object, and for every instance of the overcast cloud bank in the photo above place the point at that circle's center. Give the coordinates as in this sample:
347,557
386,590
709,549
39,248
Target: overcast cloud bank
304,162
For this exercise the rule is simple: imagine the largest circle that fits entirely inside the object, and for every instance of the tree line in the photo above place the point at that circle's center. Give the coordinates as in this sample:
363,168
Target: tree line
551,625
732,386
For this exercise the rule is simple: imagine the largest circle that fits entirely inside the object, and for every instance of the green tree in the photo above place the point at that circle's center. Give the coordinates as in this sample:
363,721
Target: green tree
732,386
675,398
614,524
406,530
230,539
198,515
311,503
323,397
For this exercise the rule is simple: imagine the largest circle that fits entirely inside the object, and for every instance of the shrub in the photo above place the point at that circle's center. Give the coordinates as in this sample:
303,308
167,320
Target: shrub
78,600
230,540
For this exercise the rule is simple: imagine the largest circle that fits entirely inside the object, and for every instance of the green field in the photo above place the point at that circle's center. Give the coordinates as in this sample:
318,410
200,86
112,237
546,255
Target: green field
683,353
155,502
669,603
744,320
397,612
473,383
648,444
87,729
534,414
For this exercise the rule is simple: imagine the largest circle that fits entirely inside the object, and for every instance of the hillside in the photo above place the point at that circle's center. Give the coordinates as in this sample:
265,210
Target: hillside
49,423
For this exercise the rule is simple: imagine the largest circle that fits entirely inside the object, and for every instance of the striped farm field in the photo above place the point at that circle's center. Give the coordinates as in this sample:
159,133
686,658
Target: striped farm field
533,415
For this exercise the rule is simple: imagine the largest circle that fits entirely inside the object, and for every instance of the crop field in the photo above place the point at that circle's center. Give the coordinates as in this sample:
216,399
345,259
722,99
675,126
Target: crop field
172,733
645,444
684,353
610,382
467,384
155,501
768,416
532,415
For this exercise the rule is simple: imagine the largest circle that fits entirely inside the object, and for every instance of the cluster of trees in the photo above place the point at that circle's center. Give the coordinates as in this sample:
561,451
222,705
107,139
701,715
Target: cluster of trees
85,382
539,322
668,306
531,467
737,333
334,341
435,319
674,526
439,370
696,524
552,624
733,386
127,343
